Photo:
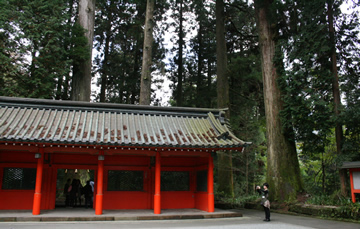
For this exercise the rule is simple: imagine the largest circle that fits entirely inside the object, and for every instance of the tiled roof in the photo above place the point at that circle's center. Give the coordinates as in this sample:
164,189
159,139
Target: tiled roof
69,122
351,165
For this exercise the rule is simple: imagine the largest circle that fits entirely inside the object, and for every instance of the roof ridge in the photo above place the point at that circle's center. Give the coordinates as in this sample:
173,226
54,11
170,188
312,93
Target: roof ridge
48,103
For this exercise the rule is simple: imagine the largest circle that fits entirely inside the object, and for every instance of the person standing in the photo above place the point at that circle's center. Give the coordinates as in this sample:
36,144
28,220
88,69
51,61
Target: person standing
88,193
265,200
67,190
80,191
73,193
92,189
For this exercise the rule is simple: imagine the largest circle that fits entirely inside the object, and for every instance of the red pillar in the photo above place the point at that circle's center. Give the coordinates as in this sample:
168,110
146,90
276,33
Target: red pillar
39,172
211,184
157,196
100,181
352,186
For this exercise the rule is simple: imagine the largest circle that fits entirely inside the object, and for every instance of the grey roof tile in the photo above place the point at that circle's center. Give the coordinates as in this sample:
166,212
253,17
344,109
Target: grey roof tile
351,165
66,122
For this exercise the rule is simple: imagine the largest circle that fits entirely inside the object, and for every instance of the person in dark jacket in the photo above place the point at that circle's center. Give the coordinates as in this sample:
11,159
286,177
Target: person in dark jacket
265,200
80,191
88,193
67,192
73,193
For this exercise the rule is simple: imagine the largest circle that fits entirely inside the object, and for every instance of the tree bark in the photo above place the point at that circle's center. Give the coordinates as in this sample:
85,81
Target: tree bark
145,87
199,86
81,84
283,172
179,88
336,94
135,74
225,174
221,58
208,86
105,71
66,93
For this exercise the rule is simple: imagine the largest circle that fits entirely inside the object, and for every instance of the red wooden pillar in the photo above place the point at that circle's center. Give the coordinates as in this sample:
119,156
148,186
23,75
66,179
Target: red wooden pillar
100,181
39,172
157,196
210,184
352,186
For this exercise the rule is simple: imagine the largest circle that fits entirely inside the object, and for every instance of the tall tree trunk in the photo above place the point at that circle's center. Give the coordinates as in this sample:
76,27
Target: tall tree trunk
66,94
145,87
179,88
209,80
81,84
221,58
200,92
135,76
105,71
199,86
283,172
225,179
336,94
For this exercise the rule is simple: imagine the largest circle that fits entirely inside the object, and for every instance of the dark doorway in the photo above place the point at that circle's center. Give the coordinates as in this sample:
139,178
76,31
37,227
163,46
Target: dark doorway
73,175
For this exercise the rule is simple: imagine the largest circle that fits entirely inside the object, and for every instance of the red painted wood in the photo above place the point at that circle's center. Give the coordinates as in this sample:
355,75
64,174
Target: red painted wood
23,199
201,201
51,175
353,190
177,200
75,160
100,182
178,162
16,199
130,161
38,184
157,195
211,185
17,157
125,200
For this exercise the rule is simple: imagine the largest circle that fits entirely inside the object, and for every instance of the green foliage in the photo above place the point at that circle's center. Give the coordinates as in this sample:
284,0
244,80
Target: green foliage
240,201
348,45
307,82
246,97
352,209
34,58
78,51
307,86
319,169
118,42
336,199
346,208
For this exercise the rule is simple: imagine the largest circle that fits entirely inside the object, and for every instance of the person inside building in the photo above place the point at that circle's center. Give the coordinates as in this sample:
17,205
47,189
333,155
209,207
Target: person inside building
67,192
73,193
88,193
80,191
92,188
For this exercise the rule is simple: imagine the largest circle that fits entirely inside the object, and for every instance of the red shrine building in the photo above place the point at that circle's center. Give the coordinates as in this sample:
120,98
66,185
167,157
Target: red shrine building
142,157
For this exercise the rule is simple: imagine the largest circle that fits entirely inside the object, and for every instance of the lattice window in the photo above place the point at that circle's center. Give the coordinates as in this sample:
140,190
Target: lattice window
19,178
201,181
119,180
175,181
